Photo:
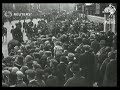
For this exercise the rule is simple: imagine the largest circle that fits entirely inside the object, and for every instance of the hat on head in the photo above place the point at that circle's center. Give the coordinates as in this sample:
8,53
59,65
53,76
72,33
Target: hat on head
24,68
63,59
53,38
57,43
30,73
54,62
37,50
43,36
47,42
36,65
19,74
48,53
19,51
39,72
20,59
108,49
111,55
87,47
14,69
41,52
36,55
71,55
8,59
5,72
102,42
3,65
75,68
28,58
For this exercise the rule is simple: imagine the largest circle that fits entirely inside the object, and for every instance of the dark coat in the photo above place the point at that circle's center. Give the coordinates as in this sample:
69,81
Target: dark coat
102,70
21,83
61,68
18,34
76,81
2,56
52,81
61,71
41,83
95,46
12,43
102,56
87,63
34,83
69,74
110,78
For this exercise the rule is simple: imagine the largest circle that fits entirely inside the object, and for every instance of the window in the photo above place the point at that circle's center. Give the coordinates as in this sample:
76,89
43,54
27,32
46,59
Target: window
97,8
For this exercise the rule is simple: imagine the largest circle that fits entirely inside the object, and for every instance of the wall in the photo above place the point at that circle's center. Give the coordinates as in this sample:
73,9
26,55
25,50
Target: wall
95,18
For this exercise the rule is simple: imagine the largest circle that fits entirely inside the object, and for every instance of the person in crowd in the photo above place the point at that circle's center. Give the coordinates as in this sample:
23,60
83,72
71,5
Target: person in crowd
31,77
69,65
61,70
111,55
13,32
20,82
87,63
2,56
110,78
77,80
52,80
39,77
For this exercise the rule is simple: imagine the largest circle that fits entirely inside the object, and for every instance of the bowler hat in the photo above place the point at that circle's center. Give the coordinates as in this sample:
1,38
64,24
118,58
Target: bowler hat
5,72
19,74
102,42
15,69
76,68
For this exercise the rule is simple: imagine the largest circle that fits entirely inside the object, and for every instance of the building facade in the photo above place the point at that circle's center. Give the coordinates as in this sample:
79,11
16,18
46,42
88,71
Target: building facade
93,9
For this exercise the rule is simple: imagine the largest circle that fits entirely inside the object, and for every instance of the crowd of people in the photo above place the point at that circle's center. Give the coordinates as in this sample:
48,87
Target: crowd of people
64,52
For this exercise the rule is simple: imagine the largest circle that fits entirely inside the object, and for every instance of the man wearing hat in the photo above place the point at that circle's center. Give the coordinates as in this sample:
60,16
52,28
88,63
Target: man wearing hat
110,78
61,70
13,32
39,77
31,78
77,79
70,63
5,74
19,61
101,54
11,44
58,50
20,82
28,58
18,33
87,63
51,79
111,55
95,46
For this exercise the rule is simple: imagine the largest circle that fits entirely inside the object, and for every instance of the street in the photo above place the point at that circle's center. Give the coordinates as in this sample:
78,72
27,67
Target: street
9,35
